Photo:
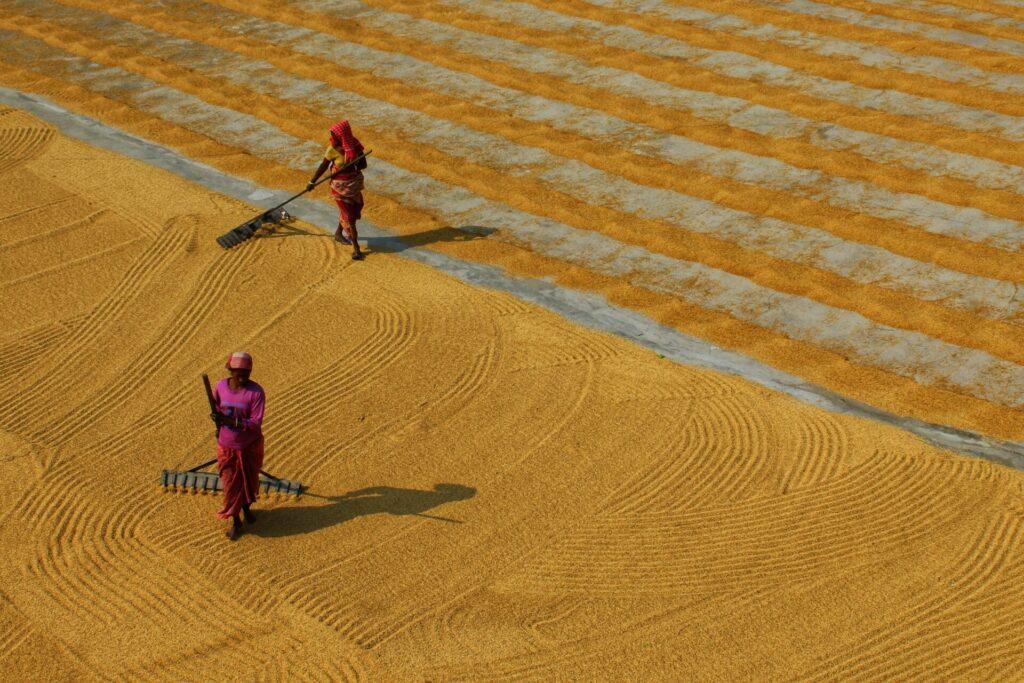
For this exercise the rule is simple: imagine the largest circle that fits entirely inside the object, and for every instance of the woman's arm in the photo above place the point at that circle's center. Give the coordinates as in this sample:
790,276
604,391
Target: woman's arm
255,418
319,172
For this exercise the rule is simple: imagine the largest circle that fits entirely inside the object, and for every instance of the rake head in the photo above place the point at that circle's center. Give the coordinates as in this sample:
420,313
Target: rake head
241,233
209,482
248,229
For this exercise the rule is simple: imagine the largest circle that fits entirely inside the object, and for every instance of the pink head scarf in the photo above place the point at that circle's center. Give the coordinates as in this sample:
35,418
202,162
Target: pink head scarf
239,360
341,134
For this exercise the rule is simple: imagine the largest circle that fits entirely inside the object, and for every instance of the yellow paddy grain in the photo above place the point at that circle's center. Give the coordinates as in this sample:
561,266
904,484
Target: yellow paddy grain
495,492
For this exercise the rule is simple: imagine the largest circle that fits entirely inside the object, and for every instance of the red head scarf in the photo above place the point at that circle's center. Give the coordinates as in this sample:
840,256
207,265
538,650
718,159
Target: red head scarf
341,135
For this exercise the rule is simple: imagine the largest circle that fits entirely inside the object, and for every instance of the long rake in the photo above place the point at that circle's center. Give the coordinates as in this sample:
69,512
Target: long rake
197,481
277,214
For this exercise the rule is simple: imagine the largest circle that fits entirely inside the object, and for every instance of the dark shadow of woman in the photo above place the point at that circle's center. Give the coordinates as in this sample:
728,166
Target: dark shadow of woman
397,243
374,500
391,244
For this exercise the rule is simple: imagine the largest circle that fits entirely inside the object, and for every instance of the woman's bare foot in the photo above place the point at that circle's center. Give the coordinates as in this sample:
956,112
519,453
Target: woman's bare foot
357,256
234,530
339,236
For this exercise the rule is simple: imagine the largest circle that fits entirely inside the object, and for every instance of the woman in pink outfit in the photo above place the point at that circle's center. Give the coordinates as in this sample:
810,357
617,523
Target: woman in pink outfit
239,418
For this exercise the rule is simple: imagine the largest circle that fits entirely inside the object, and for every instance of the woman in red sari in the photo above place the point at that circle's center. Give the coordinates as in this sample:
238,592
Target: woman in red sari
239,419
347,187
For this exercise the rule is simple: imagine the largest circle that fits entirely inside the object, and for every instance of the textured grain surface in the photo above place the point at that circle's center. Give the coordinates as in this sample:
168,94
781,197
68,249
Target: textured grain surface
831,188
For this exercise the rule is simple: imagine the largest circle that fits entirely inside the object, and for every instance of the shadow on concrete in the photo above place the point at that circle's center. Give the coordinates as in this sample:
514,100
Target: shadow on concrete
396,243
289,521
271,231
390,243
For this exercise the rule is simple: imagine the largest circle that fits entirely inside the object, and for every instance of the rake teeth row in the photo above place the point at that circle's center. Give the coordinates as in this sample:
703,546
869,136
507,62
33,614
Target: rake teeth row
281,486
195,482
209,482
241,233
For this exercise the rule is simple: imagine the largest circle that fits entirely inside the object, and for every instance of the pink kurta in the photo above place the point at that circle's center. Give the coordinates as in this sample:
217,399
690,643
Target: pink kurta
247,403
239,451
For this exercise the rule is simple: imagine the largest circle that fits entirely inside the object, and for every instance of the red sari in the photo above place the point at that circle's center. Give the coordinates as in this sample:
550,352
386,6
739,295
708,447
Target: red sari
347,191
346,188
239,476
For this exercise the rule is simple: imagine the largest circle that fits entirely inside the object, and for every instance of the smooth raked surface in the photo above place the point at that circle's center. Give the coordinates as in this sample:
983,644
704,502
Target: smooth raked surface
495,491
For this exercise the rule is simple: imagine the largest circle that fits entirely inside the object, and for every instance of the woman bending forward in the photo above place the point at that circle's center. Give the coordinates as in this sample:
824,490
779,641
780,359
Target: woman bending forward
347,187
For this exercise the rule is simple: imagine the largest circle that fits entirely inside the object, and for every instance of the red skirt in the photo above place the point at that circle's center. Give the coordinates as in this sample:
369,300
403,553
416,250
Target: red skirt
348,194
239,477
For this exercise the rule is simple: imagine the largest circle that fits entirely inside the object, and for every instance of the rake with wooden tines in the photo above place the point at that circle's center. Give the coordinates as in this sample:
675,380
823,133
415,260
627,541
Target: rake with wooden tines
197,481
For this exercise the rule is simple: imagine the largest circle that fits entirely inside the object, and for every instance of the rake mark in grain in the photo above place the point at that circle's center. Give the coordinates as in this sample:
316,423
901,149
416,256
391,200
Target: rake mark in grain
456,396
975,571
374,634
70,263
213,285
670,552
33,346
22,144
393,335
656,481
139,274
12,638
703,472
92,566
821,449
350,624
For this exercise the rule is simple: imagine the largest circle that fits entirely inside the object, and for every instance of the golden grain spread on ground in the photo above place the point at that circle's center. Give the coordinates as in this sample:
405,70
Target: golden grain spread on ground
830,187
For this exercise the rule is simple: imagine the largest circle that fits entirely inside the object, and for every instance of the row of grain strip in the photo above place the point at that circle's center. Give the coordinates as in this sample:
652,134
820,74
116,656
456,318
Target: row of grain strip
209,51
